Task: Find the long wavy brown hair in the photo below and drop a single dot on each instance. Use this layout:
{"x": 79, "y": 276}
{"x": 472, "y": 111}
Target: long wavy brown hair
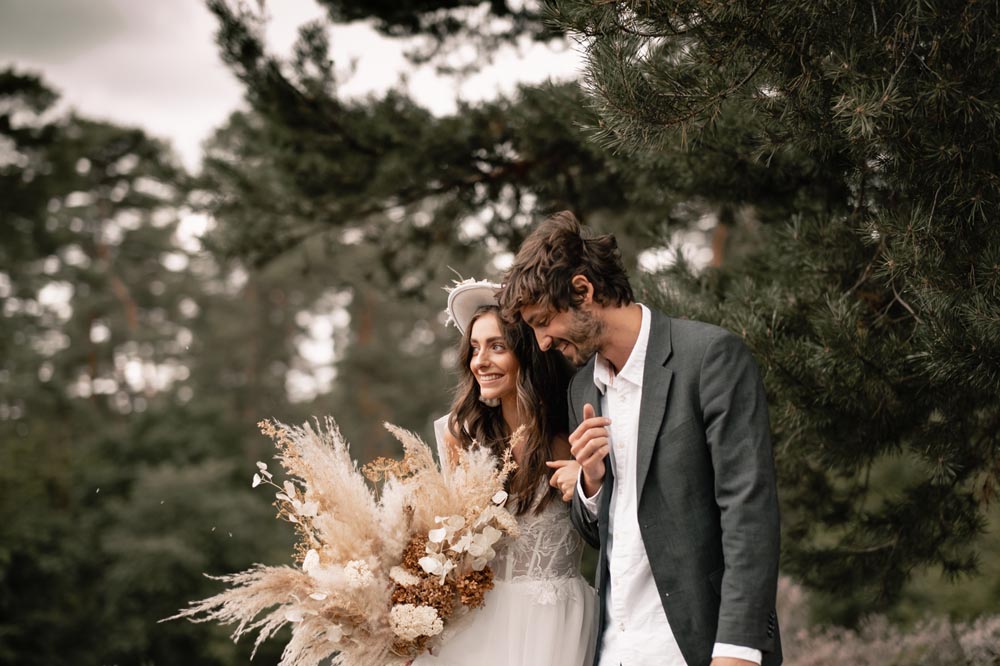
{"x": 541, "y": 399}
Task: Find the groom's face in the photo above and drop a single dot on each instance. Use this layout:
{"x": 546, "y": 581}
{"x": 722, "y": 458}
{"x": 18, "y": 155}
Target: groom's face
{"x": 576, "y": 332}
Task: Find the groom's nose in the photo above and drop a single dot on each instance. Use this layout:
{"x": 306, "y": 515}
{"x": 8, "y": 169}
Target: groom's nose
{"x": 544, "y": 340}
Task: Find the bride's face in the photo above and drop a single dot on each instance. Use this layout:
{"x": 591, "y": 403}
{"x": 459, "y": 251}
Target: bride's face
{"x": 493, "y": 363}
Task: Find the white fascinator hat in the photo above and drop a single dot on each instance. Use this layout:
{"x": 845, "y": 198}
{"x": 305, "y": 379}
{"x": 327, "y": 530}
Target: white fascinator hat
{"x": 466, "y": 297}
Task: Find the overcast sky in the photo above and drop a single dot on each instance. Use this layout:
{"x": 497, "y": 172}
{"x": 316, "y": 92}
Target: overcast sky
{"x": 154, "y": 63}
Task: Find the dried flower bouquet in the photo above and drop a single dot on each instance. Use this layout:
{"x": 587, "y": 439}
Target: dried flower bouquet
{"x": 388, "y": 555}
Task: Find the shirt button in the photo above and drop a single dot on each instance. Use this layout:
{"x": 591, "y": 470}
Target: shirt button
{"x": 621, "y": 627}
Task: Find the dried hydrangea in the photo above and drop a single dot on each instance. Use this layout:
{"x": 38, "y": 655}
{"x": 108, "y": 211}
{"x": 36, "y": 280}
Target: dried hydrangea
{"x": 473, "y": 586}
{"x": 403, "y": 577}
{"x": 358, "y": 574}
{"x": 409, "y": 621}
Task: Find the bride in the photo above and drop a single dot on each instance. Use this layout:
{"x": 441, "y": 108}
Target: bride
{"x": 541, "y": 611}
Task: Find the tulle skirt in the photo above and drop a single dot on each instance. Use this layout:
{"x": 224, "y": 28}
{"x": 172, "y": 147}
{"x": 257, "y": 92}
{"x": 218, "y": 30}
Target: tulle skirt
{"x": 524, "y": 623}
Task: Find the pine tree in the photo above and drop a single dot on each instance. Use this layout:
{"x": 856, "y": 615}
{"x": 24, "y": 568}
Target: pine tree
{"x": 388, "y": 202}
{"x": 442, "y": 26}
{"x": 124, "y": 466}
{"x": 869, "y": 287}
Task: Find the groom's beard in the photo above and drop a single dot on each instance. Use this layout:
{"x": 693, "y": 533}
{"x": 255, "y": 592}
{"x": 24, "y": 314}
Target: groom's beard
{"x": 583, "y": 337}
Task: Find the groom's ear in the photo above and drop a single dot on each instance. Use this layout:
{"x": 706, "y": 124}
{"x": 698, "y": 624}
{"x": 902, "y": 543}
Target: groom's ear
{"x": 584, "y": 290}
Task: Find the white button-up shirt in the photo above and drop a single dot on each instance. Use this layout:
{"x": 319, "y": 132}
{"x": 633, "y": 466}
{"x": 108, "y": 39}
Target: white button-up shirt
{"x": 636, "y": 632}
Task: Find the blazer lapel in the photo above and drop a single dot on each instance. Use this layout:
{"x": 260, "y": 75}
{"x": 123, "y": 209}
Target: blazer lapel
{"x": 583, "y": 390}
{"x": 655, "y": 390}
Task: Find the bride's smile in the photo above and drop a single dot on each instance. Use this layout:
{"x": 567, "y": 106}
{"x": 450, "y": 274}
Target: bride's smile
{"x": 493, "y": 364}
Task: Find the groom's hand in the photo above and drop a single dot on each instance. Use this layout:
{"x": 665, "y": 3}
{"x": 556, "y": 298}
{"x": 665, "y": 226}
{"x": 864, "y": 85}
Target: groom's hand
{"x": 589, "y": 445}
{"x": 732, "y": 661}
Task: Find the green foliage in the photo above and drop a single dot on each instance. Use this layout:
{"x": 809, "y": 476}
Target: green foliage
{"x": 934, "y": 591}
{"x": 118, "y": 489}
{"x": 845, "y": 270}
{"x": 870, "y": 294}
{"x": 382, "y": 201}
{"x": 446, "y": 24}
{"x": 929, "y": 640}
{"x": 847, "y": 149}
{"x": 383, "y": 172}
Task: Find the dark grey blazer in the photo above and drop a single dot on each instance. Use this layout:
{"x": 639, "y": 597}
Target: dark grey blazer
{"x": 708, "y": 506}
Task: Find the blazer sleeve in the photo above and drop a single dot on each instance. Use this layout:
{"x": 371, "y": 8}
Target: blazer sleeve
{"x": 737, "y": 430}
{"x": 578, "y": 514}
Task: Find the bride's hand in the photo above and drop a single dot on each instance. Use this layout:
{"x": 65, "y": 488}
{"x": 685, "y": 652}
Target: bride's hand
{"x": 564, "y": 477}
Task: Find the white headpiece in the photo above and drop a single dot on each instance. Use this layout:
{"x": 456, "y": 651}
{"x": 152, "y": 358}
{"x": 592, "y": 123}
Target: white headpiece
{"x": 466, "y": 297}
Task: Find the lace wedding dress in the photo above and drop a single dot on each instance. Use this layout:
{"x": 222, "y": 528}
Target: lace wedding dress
{"x": 540, "y": 612}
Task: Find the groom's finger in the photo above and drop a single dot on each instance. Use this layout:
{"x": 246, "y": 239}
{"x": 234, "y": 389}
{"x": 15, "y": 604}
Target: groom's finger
{"x": 597, "y": 446}
{"x": 590, "y": 421}
{"x": 583, "y": 436}
{"x": 594, "y": 450}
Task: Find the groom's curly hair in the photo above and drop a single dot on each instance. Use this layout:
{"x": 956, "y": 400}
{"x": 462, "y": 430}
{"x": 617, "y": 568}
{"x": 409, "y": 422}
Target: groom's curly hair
{"x": 551, "y": 256}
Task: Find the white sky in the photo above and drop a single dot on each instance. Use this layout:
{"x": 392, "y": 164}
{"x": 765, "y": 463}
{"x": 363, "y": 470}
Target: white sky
{"x": 155, "y": 64}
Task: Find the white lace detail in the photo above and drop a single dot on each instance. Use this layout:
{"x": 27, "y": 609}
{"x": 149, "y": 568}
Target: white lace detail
{"x": 546, "y": 556}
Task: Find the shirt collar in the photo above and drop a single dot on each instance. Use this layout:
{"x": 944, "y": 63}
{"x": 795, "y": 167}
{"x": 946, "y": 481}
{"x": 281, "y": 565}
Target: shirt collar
{"x": 633, "y": 369}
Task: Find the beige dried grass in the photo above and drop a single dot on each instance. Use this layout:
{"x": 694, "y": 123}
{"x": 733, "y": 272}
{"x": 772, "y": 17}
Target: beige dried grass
{"x": 338, "y": 601}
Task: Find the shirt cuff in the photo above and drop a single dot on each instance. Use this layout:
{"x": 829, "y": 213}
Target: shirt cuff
{"x": 590, "y": 503}
{"x": 737, "y": 652}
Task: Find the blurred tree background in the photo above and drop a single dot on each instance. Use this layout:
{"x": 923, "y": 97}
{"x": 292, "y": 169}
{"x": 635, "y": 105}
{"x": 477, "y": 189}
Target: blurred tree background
{"x": 832, "y": 165}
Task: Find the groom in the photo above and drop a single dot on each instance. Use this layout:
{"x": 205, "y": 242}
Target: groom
{"x": 677, "y": 481}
